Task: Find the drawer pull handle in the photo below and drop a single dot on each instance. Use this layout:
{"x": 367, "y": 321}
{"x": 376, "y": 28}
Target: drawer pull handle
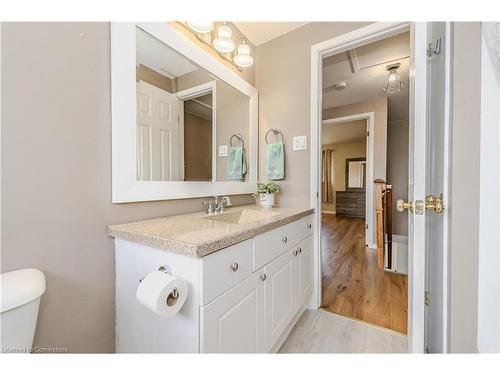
{"x": 263, "y": 277}
{"x": 296, "y": 252}
{"x": 284, "y": 240}
{"x": 299, "y": 250}
{"x": 309, "y": 226}
{"x": 234, "y": 267}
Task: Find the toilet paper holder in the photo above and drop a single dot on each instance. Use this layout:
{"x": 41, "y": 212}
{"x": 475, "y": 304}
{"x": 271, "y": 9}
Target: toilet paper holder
{"x": 172, "y": 297}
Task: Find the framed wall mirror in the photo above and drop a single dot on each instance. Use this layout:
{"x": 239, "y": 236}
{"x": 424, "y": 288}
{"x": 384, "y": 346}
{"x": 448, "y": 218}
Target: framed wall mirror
{"x": 355, "y": 174}
{"x": 175, "y": 112}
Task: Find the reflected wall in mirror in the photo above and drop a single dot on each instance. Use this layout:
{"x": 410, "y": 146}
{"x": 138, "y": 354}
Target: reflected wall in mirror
{"x": 184, "y": 115}
{"x": 355, "y": 174}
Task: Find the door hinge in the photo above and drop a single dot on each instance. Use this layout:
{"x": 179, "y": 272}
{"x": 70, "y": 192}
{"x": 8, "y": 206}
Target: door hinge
{"x": 366, "y": 226}
{"x": 431, "y": 51}
{"x": 427, "y": 298}
{"x": 367, "y": 133}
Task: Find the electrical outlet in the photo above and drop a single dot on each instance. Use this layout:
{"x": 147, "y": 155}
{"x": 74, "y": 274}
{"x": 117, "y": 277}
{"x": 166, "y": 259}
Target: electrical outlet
{"x": 300, "y": 143}
{"x": 223, "y": 150}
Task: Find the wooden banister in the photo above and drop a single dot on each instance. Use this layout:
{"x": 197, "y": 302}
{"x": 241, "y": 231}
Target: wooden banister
{"x": 383, "y": 209}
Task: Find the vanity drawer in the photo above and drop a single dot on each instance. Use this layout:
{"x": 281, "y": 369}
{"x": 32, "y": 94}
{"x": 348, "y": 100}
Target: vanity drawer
{"x": 226, "y": 268}
{"x": 270, "y": 245}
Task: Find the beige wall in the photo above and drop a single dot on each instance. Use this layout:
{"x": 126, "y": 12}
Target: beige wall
{"x": 282, "y": 76}
{"x": 146, "y": 74}
{"x": 379, "y": 107}
{"x": 56, "y": 177}
{"x": 397, "y": 170}
{"x": 342, "y": 151}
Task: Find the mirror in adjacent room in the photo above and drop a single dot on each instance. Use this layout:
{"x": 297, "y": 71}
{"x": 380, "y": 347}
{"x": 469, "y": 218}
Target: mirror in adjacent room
{"x": 355, "y": 173}
{"x": 185, "y": 116}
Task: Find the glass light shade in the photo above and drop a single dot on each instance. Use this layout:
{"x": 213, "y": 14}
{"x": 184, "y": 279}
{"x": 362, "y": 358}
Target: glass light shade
{"x": 223, "y": 43}
{"x": 243, "y": 58}
{"x": 201, "y": 27}
{"x": 394, "y": 83}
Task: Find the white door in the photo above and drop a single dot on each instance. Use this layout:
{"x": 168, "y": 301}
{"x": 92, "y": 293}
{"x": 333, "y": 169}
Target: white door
{"x": 304, "y": 270}
{"x": 428, "y": 175}
{"x": 158, "y": 134}
{"x": 280, "y": 296}
{"x": 436, "y": 184}
{"x": 234, "y": 322}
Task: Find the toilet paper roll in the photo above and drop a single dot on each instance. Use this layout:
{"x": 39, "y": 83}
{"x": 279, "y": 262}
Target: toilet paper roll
{"x": 162, "y": 293}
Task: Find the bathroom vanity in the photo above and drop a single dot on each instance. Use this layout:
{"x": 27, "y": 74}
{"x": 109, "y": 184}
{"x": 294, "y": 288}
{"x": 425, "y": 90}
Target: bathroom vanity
{"x": 249, "y": 273}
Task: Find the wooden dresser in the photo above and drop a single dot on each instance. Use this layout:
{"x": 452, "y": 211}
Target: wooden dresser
{"x": 350, "y": 203}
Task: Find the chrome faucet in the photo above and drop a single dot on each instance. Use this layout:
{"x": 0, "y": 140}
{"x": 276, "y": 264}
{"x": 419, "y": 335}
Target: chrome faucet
{"x": 220, "y": 207}
{"x": 216, "y": 206}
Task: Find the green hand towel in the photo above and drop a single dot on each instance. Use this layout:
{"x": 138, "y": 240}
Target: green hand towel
{"x": 275, "y": 161}
{"x": 236, "y": 164}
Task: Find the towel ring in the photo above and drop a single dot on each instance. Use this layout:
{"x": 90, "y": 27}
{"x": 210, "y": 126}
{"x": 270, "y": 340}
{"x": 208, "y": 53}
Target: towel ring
{"x": 237, "y": 136}
{"x": 275, "y": 132}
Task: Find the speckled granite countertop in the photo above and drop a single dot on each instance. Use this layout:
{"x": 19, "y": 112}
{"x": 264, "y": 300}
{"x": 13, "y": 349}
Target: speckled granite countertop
{"x": 198, "y": 234}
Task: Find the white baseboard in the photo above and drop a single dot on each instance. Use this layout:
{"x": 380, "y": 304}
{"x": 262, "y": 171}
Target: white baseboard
{"x": 329, "y": 212}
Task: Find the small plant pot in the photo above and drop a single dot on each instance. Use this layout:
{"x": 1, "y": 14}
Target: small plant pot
{"x": 266, "y": 200}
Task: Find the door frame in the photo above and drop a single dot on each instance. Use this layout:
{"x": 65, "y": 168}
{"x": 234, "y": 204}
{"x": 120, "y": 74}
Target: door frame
{"x": 418, "y": 86}
{"x": 370, "y": 154}
{"x": 194, "y": 92}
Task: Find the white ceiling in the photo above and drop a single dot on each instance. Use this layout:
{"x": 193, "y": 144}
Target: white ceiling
{"x": 159, "y": 57}
{"x": 352, "y": 131}
{"x": 261, "y": 32}
{"x": 369, "y": 64}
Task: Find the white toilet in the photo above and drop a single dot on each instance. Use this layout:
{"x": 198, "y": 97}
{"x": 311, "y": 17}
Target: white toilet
{"x": 21, "y": 292}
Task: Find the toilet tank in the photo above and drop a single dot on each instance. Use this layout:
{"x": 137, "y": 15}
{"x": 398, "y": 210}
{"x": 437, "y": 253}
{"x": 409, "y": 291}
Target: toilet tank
{"x": 20, "y": 298}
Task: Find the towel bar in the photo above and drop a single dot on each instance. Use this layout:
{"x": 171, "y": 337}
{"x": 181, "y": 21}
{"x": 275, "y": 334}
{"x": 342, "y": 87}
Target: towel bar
{"x": 238, "y": 136}
{"x": 275, "y": 132}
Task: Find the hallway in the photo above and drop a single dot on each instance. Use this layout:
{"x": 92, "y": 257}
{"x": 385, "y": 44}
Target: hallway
{"x": 352, "y": 285}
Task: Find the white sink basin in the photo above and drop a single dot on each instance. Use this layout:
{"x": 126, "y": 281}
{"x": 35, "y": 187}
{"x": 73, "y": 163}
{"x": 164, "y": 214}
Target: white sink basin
{"x": 244, "y": 216}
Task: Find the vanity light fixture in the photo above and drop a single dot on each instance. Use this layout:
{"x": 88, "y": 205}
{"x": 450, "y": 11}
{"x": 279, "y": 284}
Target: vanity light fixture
{"x": 201, "y": 27}
{"x": 223, "y": 43}
{"x": 394, "y": 82}
{"x": 243, "y": 58}
{"x": 219, "y": 36}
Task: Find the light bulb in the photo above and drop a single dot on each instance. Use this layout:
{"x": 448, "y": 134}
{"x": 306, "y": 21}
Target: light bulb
{"x": 201, "y": 27}
{"x": 243, "y": 58}
{"x": 394, "y": 83}
{"x": 223, "y": 43}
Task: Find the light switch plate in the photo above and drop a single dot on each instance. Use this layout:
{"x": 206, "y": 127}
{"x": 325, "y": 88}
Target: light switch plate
{"x": 223, "y": 150}
{"x": 300, "y": 143}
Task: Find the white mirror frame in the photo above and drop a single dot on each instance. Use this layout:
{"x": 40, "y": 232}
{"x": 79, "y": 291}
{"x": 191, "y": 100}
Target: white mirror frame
{"x": 125, "y": 186}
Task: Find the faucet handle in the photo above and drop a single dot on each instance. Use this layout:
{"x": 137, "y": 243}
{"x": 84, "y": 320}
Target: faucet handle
{"x": 209, "y": 205}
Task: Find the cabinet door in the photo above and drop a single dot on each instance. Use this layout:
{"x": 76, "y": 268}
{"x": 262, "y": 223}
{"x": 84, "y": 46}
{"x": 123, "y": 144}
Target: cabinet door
{"x": 234, "y": 322}
{"x": 280, "y": 296}
{"x": 304, "y": 269}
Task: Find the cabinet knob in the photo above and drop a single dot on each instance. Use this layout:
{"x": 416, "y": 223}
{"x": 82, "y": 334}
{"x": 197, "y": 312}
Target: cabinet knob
{"x": 309, "y": 226}
{"x": 284, "y": 240}
{"x": 234, "y": 267}
{"x": 263, "y": 277}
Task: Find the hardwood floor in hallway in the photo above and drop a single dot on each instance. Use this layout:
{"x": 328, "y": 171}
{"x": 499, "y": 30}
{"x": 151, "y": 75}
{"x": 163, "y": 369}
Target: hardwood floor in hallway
{"x": 352, "y": 285}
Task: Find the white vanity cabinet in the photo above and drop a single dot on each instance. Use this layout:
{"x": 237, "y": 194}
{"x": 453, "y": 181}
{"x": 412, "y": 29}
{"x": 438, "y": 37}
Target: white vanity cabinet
{"x": 244, "y": 298}
{"x": 253, "y": 315}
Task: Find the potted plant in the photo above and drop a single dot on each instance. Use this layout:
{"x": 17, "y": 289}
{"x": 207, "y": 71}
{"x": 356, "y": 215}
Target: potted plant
{"x": 265, "y": 192}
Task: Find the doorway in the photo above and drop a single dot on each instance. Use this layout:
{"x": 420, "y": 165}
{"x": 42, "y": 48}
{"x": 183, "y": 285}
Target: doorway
{"x": 350, "y": 282}
{"x": 429, "y": 52}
